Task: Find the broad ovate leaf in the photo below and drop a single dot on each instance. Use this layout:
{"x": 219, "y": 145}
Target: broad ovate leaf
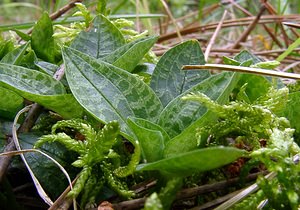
{"x": 102, "y": 39}
{"x": 128, "y": 56}
{"x": 107, "y": 92}
{"x": 184, "y": 164}
{"x": 168, "y": 80}
{"x": 40, "y": 88}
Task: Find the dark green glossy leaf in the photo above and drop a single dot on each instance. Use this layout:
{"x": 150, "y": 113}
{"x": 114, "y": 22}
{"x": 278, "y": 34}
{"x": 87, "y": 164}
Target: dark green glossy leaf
{"x": 199, "y": 160}
{"x": 49, "y": 175}
{"x": 102, "y": 39}
{"x": 128, "y": 56}
{"x": 15, "y": 56}
{"x": 107, "y": 92}
{"x": 179, "y": 114}
{"x": 42, "y": 41}
{"x": 168, "y": 80}
{"x": 151, "y": 137}
{"x": 217, "y": 87}
{"x": 39, "y": 87}
{"x": 10, "y": 103}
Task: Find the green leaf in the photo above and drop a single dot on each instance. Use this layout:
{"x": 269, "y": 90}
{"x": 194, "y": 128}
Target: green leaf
{"x": 180, "y": 114}
{"x": 151, "y": 137}
{"x": 168, "y": 80}
{"x": 245, "y": 56}
{"x": 199, "y": 160}
{"x": 10, "y": 103}
{"x": 101, "y": 40}
{"x": 15, "y": 56}
{"x": 44, "y": 169}
{"x": 28, "y": 60}
{"x": 23, "y": 35}
{"x": 65, "y": 104}
{"x": 47, "y": 67}
{"x": 5, "y": 47}
{"x": 219, "y": 88}
{"x": 256, "y": 85}
{"x": 107, "y": 92}
{"x": 29, "y": 80}
{"x": 230, "y": 61}
{"x": 292, "y": 110}
{"x": 40, "y": 88}
{"x": 42, "y": 41}
{"x": 128, "y": 56}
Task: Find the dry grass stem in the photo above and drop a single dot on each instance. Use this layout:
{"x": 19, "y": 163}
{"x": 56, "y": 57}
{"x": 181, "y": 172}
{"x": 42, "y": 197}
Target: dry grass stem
{"x": 243, "y": 69}
{"x": 212, "y": 40}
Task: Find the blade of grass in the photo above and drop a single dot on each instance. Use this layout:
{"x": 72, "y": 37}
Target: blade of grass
{"x": 293, "y": 46}
{"x": 67, "y": 20}
{"x": 20, "y": 4}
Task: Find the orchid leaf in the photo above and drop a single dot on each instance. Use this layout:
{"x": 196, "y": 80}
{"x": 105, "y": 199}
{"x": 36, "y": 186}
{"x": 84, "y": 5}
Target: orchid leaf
{"x": 128, "y": 56}
{"x": 168, "y": 80}
{"x": 107, "y": 92}
{"x": 102, "y": 39}
{"x": 40, "y": 88}
{"x": 199, "y": 160}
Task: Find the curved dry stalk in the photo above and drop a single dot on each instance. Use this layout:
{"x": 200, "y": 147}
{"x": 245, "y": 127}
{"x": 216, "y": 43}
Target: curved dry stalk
{"x": 246, "y": 33}
{"x": 243, "y": 69}
{"x": 212, "y": 40}
{"x": 20, "y": 152}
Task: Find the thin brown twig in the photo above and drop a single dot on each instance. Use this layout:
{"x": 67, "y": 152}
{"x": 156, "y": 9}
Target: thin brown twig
{"x": 60, "y": 12}
{"x": 5, "y": 161}
{"x": 274, "y": 38}
{"x": 63, "y": 202}
{"x": 272, "y": 11}
{"x": 231, "y": 23}
{"x": 187, "y": 193}
{"x": 230, "y": 51}
{"x": 217, "y": 201}
{"x": 246, "y": 33}
{"x": 64, "y": 9}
